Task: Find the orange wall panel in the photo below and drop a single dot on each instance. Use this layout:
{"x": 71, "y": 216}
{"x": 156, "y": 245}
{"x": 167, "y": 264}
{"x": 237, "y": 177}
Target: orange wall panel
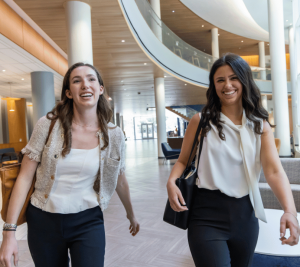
{"x": 252, "y": 60}
{"x": 17, "y": 120}
{"x": 62, "y": 65}
{"x": 11, "y": 24}
{"x": 287, "y": 56}
{"x": 33, "y": 42}
{"x": 50, "y": 56}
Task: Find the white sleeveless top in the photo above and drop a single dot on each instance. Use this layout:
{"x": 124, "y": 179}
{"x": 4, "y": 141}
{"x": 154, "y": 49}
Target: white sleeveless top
{"x": 232, "y": 166}
{"x": 72, "y": 190}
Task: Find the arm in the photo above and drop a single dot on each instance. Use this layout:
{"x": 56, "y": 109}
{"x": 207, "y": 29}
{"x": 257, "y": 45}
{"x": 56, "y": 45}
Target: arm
{"x": 173, "y": 191}
{"x": 124, "y": 195}
{"x": 9, "y": 245}
{"x": 279, "y": 184}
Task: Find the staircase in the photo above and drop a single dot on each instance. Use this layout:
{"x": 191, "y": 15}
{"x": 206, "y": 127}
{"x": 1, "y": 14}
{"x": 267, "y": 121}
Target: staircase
{"x": 178, "y": 113}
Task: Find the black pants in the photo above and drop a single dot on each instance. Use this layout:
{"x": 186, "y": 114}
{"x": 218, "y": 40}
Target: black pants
{"x": 223, "y": 230}
{"x": 52, "y": 235}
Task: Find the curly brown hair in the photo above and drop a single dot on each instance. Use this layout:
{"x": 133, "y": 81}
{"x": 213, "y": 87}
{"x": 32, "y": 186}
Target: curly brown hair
{"x": 251, "y": 97}
{"x": 64, "y": 110}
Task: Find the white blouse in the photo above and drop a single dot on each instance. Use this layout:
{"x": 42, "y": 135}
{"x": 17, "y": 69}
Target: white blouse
{"x": 72, "y": 190}
{"x": 232, "y": 166}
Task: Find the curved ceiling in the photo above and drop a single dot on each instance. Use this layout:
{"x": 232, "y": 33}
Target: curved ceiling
{"x": 229, "y": 15}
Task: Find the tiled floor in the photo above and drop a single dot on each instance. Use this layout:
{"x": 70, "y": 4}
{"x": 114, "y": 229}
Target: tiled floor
{"x": 158, "y": 244}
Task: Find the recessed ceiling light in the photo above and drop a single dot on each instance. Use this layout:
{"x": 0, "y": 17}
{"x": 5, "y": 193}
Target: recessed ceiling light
{"x": 3, "y": 70}
{"x": 109, "y": 98}
{"x": 173, "y": 11}
{"x": 123, "y": 41}
{"x": 287, "y": 20}
{"x": 242, "y": 41}
{"x": 22, "y": 79}
{"x": 218, "y": 34}
{"x": 268, "y": 44}
{"x": 202, "y": 25}
{"x": 145, "y": 63}
{"x": 185, "y": 84}
{"x": 165, "y": 76}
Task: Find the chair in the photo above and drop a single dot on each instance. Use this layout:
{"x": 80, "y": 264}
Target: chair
{"x": 291, "y": 167}
{"x": 169, "y": 153}
{"x": 11, "y": 151}
{"x": 278, "y": 144}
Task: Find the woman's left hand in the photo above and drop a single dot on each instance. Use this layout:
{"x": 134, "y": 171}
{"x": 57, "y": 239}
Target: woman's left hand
{"x": 289, "y": 221}
{"x": 134, "y": 227}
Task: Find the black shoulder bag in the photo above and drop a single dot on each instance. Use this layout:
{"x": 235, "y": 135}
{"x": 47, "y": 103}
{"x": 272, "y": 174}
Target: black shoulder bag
{"x": 186, "y": 183}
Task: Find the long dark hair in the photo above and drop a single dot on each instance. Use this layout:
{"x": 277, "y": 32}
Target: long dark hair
{"x": 251, "y": 97}
{"x": 64, "y": 110}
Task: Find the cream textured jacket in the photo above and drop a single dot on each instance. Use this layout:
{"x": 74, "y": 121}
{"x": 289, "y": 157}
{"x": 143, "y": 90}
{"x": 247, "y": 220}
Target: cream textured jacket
{"x": 112, "y": 161}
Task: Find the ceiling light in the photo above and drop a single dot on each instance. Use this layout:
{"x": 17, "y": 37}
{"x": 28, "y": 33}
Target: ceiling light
{"x": 173, "y": 11}
{"x": 22, "y": 79}
{"x": 218, "y": 34}
{"x": 242, "y": 41}
{"x": 291, "y": 24}
{"x": 165, "y": 76}
{"x": 202, "y": 26}
{"x": 3, "y": 70}
{"x": 150, "y": 109}
{"x": 109, "y": 98}
{"x": 121, "y": 81}
{"x": 185, "y": 84}
{"x": 123, "y": 41}
{"x": 268, "y": 44}
{"x": 145, "y": 63}
{"x": 287, "y": 20}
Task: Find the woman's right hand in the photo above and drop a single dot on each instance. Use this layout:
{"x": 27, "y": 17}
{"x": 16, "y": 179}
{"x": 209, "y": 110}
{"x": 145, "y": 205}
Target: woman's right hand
{"x": 8, "y": 249}
{"x": 175, "y": 197}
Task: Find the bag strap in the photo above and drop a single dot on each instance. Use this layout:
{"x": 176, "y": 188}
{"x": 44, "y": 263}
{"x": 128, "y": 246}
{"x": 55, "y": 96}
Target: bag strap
{"x": 50, "y": 129}
{"x": 194, "y": 147}
{"x": 200, "y": 150}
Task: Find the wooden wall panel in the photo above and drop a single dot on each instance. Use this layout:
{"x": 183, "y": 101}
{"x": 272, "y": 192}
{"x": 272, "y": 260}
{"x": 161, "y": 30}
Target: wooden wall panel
{"x": 33, "y": 42}
{"x": 20, "y": 32}
{"x": 252, "y": 60}
{"x": 287, "y": 57}
{"x": 17, "y": 120}
{"x": 62, "y": 65}
{"x": 50, "y": 56}
{"x": 11, "y": 24}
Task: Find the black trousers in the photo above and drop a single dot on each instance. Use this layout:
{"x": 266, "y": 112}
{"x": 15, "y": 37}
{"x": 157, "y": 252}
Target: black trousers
{"x": 223, "y": 230}
{"x": 51, "y": 236}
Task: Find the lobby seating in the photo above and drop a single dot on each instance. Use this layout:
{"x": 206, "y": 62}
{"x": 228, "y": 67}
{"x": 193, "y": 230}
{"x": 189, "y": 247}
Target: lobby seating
{"x": 291, "y": 167}
{"x": 11, "y": 151}
{"x": 169, "y": 153}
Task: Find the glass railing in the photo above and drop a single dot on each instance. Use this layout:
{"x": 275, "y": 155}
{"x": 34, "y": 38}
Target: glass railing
{"x": 171, "y": 40}
{"x": 265, "y": 74}
{"x": 183, "y": 49}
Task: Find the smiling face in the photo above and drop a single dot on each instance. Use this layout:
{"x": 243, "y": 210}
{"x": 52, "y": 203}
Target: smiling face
{"x": 228, "y": 87}
{"x": 85, "y": 88}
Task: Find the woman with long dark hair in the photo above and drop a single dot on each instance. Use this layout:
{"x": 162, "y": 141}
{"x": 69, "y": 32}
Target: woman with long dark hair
{"x": 77, "y": 171}
{"x": 238, "y": 141}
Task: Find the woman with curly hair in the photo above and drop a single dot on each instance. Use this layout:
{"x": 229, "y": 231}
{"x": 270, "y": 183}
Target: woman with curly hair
{"x": 78, "y": 167}
{"x": 238, "y": 141}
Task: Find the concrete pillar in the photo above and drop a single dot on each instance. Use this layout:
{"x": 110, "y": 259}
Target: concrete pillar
{"x": 278, "y": 72}
{"x": 293, "y": 69}
{"x": 79, "y": 32}
{"x": 159, "y": 87}
{"x": 43, "y": 99}
{"x": 262, "y": 59}
{"x": 156, "y": 19}
{"x": 215, "y": 43}
{"x": 264, "y": 101}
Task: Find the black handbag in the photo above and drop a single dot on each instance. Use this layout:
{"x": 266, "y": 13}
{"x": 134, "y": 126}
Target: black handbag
{"x": 187, "y": 184}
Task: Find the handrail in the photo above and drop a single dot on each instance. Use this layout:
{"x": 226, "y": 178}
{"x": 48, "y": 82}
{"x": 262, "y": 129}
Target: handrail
{"x": 182, "y": 49}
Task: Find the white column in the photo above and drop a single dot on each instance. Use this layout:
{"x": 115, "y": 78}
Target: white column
{"x": 278, "y": 72}
{"x": 264, "y": 101}
{"x": 215, "y": 43}
{"x": 156, "y": 19}
{"x": 43, "y": 99}
{"x": 159, "y": 87}
{"x": 79, "y": 32}
{"x": 262, "y": 59}
{"x": 293, "y": 69}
